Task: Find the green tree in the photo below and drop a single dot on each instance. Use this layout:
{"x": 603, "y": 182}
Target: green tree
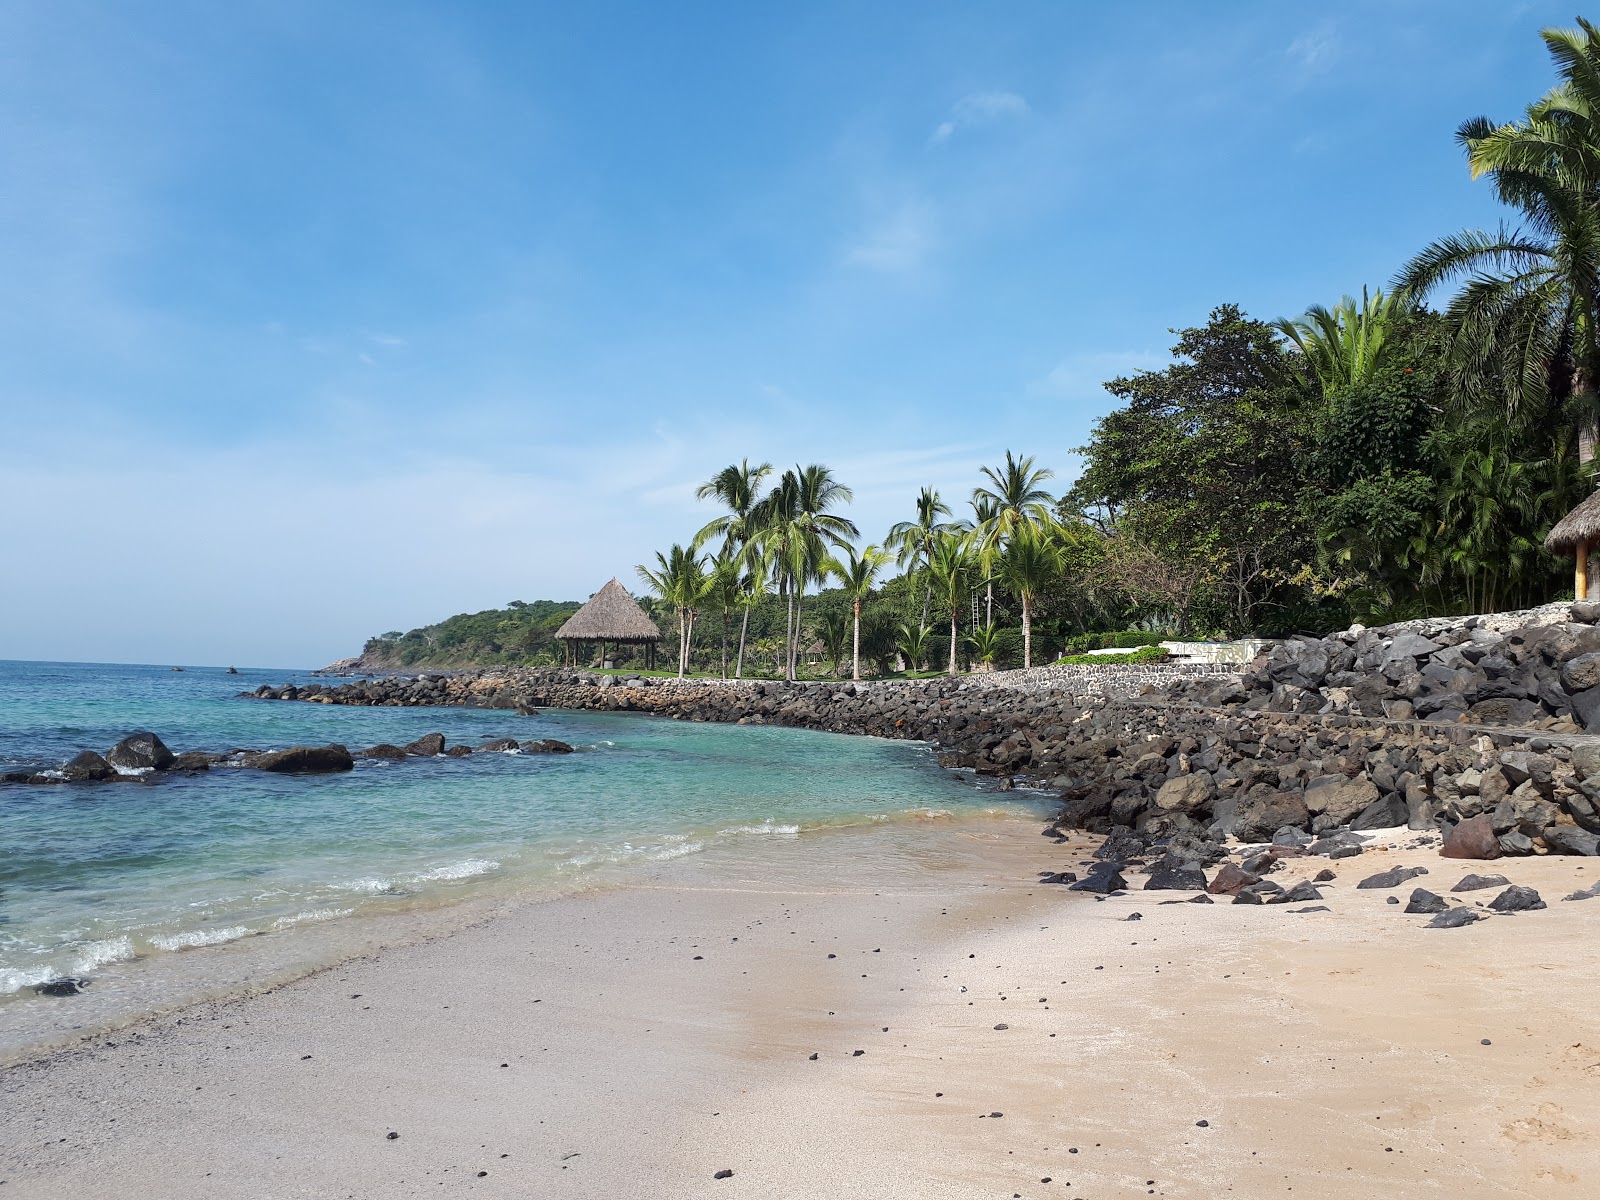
{"x": 913, "y": 541}
{"x": 1030, "y": 562}
{"x": 797, "y": 523}
{"x": 1347, "y": 346}
{"x": 857, "y": 573}
{"x": 679, "y": 578}
{"x": 951, "y": 572}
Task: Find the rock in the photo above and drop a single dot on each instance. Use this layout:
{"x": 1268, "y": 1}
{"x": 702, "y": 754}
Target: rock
{"x": 1475, "y": 883}
{"x": 426, "y": 746}
{"x": 305, "y": 760}
{"x": 1297, "y": 893}
{"x": 1179, "y": 876}
{"x": 1581, "y": 673}
{"x": 1202, "y": 898}
{"x": 1454, "y": 918}
{"x": 1291, "y": 835}
{"x": 1386, "y": 812}
{"x": 1515, "y": 843}
{"x": 1570, "y": 839}
{"x": 384, "y": 750}
{"x": 1229, "y": 879}
{"x": 1324, "y": 876}
{"x": 1410, "y": 645}
{"x": 1102, "y": 879}
{"x": 498, "y": 746}
{"x": 1588, "y": 893}
{"x": 1261, "y": 892}
{"x": 1516, "y": 899}
{"x": 1335, "y": 799}
{"x": 140, "y": 751}
{"x": 86, "y": 768}
{"x": 1586, "y": 707}
{"x": 1423, "y": 901}
{"x": 1059, "y": 877}
{"x": 67, "y": 985}
{"x": 1259, "y": 820}
{"x": 1186, "y": 793}
{"x": 1472, "y": 838}
{"x": 546, "y": 746}
{"x": 192, "y": 761}
{"x": 1393, "y": 877}
{"x": 458, "y": 752}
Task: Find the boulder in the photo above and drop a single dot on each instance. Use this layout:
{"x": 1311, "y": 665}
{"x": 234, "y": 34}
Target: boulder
{"x": 1476, "y": 883}
{"x": 498, "y": 746}
{"x": 1186, "y": 793}
{"x": 1262, "y": 892}
{"x": 1230, "y": 879}
{"x": 1386, "y": 812}
{"x": 1472, "y": 838}
{"x": 140, "y": 751}
{"x": 458, "y": 752}
{"x": 86, "y": 767}
{"x": 1176, "y": 876}
{"x": 1296, "y": 893}
{"x": 1393, "y": 877}
{"x": 426, "y": 746}
{"x": 1102, "y": 879}
{"x": 192, "y": 761}
{"x": 1571, "y": 839}
{"x": 1259, "y": 820}
{"x": 384, "y": 750}
{"x": 1336, "y": 798}
{"x": 1454, "y": 918}
{"x": 1581, "y": 673}
{"x": 305, "y": 760}
{"x": 1516, "y": 899}
{"x": 546, "y": 746}
{"x": 1423, "y": 901}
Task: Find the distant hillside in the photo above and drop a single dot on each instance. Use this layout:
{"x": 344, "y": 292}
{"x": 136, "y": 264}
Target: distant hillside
{"x": 521, "y": 632}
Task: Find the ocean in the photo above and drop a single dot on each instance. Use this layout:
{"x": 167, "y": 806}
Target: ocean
{"x": 178, "y": 886}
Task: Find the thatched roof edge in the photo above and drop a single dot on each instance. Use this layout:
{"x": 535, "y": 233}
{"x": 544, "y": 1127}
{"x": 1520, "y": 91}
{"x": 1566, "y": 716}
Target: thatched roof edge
{"x": 611, "y": 615}
{"x": 1582, "y": 524}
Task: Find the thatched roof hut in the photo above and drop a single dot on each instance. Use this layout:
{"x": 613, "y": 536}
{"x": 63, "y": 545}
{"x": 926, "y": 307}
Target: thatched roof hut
{"x": 611, "y": 615}
{"x": 1579, "y": 532}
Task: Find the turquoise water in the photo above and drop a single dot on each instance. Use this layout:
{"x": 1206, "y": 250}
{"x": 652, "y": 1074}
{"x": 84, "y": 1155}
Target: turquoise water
{"x": 94, "y": 875}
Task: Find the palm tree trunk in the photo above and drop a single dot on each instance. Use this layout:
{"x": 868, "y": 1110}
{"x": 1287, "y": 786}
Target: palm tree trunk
{"x": 794, "y": 651}
{"x": 724, "y": 641}
{"x": 952, "y": 640}
{"x": 682, "y": 644}
{"x": 788, "y": 633}
{"x": 855, "y": 644}
{"x": 1027, "y": 632}
{"x": 744, "y": 628}
{"x": 988, "y": 603}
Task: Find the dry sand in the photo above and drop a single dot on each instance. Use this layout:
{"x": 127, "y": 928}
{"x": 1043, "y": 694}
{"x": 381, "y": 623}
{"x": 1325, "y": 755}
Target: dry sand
{"x": 634, "y": 1042}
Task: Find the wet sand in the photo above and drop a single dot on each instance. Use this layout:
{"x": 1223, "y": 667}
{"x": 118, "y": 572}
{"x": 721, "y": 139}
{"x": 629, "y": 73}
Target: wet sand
{"x": 637, "y": 1041}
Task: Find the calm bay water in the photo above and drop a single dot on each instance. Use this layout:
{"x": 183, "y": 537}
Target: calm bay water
{"x": 96, "y": 875}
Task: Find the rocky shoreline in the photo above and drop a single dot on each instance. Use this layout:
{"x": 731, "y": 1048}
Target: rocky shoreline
{"x": 1474, "y": 729}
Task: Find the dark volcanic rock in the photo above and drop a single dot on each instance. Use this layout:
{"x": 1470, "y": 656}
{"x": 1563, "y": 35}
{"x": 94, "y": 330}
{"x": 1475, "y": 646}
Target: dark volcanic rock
{"x": 1423, "y": 901}
{"x": 384, "y": 750}
{"x": 1102, "y": 879}
{"x": 1474, "y": 883}
{"x": 1516, "y": 899}
{"x": 67, "y": 985}
{"x": 1261, "y": 892}
{"x": 140, "y": 751}
{"x": 458, "y": 751}
{"x": 192, "y": 761}
{"x": 1473, "y": 838}
{"x": 1383, "y": 813}
{"x": 1171, "y": 876}
{"x": 86, "y": 767}
{"x": 546, "y": 746}
{"x": 1297, "y": 893}
{"x": 1261, "y": 819}
{"x": 1455, "y": 918}
{"x": 498, "y": 746}
{"x": 427, "y": 746}
{"x": 1393, "y": 877}
{"x": 305, "y": 760}
{"x": 1569, "y": 839}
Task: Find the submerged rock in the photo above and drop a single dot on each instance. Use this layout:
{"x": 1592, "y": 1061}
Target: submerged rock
{"x": 427, "y": 746}
{"x": 67, "y": 985}
{"x": 140, "y": 751}
{"x": 86, "y": 767}
{"x": 384, "y": 750}
{"x": 306, "y": 760}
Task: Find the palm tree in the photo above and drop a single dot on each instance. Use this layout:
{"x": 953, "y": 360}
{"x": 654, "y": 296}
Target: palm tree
{"x": 679, "y": 578}
{"x": 856, "y": 575}
{"x": 796, "y": 525}
{"x": 984, "y": 511}
{"x": 913, "y": 541}
{"x": 912, "y": 642}
{"x": 739, "y": 490}
{"x": 1526, "y": 324}
{"x": 950, "y": 572}
{"x": 985, "y": 643}
{"x": 835, "y": 632}
{"x": 1347, "y": 346}
{"x": 725, "y": 588}
{"x": 755, "y": 584}
{"x": 1014, "y": 496}
{"x": 1030, "y": 561}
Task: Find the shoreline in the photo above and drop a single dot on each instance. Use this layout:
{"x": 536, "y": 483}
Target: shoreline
{"x": 657, "y": 1033}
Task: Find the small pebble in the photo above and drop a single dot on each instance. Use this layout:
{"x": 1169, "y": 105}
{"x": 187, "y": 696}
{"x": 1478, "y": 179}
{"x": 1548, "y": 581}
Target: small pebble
{"x": 723, "y": 1175}
{"x": 1203, "y": 1124}
{"x": 1486, "y": 1042}
{"x": 1002, "y": 1027}
{"x": 857, "y": 1053}
{"x": 391, "y": 1136}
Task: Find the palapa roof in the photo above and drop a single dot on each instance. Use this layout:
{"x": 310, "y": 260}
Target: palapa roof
{"x": 610, "y": 616}
{"x": 1582, "y": 524}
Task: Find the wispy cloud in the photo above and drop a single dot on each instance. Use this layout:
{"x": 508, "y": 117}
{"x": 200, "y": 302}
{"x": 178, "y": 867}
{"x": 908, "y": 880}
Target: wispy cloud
{"x": 898, "y": 242}
{"x": 387, "y": 339}
{"x": 979, "y": 108}
{"x": 1082, "y": 377}
{"x": 1316, "y": 49}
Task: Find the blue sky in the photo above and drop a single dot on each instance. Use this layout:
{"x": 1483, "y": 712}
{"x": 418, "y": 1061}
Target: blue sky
{"x": 319, "y": 320}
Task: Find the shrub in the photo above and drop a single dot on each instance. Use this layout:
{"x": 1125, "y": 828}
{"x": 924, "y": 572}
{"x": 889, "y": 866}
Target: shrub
{"x": 1148, "y": 654}
{"x": 1126, "y": 639}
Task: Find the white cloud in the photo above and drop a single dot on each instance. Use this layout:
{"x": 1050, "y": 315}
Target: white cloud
{"x": 1316, "y": 49}
{"x": 387, "y": 339}
{"x": 979, "y": 108}
{"x": 1082, "y": 377}
{"x": 899, "y": 242}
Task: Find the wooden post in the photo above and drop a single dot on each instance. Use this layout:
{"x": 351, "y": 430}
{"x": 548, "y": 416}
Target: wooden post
{"x": 1580, "y": 574}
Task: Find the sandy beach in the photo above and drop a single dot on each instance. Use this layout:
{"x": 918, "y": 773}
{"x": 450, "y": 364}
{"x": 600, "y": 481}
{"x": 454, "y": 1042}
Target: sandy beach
{"x": 971, "y": 1035}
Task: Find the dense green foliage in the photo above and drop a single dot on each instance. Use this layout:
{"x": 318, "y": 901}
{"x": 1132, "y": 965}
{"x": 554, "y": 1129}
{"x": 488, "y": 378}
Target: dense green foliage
{"x": 519, "y": 633}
